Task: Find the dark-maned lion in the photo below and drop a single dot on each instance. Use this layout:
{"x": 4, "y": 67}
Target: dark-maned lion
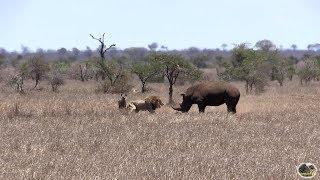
{"x": 148, "y": 104}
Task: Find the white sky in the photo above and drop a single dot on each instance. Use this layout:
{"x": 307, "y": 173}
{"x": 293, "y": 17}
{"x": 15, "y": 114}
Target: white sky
{"x": 177, "y": 24}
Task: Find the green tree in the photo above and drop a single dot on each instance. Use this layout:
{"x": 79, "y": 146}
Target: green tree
{"x": 291, "y": 72}
{"x": 265, "y": 45}
{"x": 17, "y": 80}
{"x": 249, "y": 66}
{"x": 307, "y": 70}
{"x": 153, "y": 46}
{"x": 200, "y": 61}
{"x": 145, "y": 71}
{"x": 279, "y": 67}
{"x": 294, "y": 47}
{"x": 61, "y": 66}
{"x": 224, "y": 46}
{"x": 173, "y": 66}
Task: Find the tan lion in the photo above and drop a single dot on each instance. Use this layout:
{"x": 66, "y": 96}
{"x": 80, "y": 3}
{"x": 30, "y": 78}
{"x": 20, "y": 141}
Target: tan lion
{"x": 148, "y": 104}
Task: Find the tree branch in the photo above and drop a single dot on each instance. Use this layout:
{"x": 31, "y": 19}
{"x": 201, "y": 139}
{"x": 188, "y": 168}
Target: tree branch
{"x": 176, "y": 77}
{"x": 97, "y": 38}
{"x": 109, "y": 48}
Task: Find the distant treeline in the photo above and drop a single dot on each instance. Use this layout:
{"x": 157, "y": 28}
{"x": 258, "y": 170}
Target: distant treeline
{"x": 114, "y": 69}
{"x": 202, "y": 58}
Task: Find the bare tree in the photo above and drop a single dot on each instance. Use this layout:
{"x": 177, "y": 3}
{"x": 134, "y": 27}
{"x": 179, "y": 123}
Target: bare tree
{"x": 103, "y": 48}
{"x": 37, "y": 69}
{"x": 113, "y": 71}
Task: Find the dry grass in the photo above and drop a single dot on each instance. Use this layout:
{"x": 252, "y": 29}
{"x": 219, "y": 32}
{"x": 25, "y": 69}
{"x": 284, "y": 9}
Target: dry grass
{"x": 78, "y": 134}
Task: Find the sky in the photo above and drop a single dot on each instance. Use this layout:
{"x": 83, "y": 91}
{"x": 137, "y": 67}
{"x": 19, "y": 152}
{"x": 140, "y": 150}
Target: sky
{"x": 177, "y": 24}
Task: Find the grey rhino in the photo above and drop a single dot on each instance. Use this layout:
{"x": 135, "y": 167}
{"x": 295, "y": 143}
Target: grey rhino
{"x": 210, "y": 94}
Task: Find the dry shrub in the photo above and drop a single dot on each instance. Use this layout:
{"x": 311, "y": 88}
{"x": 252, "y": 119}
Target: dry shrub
{"x": 16, "y": 111}
{"x": 81, "y": 135}
{"x": 55, "y": 81}
{"x": 123, "y": 85}
{"x": 210, "y": 74}
{"x": 7, "y": 73}
{"x": 81, "y": 72}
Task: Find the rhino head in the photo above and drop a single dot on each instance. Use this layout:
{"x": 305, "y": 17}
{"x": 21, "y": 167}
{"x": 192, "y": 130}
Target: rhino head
{"x": 184, "y": 106}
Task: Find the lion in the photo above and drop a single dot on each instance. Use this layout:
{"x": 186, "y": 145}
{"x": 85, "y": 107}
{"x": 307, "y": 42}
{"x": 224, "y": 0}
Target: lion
{"x": 150, "y": 104}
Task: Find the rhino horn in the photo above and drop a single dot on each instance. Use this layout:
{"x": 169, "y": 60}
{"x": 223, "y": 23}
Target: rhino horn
{"x": 177, "y": 108}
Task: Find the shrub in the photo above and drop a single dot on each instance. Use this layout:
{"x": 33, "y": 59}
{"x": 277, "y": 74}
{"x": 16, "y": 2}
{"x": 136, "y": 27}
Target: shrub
{"x": 56, "y": 81}
{"x": 123, "y": 85}
{"x": 249, "y": 66}
{"x": 307, "y": 70}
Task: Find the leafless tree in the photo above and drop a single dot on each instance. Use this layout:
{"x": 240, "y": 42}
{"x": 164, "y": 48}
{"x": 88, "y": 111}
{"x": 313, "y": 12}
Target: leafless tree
{"x": 113, "y": 71}
{"x": 37, "y": 68}
{"x": 103, "y": 48}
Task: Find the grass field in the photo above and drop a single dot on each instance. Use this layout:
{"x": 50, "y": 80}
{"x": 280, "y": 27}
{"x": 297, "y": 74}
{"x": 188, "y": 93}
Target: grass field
{"x": 80, "y": 134}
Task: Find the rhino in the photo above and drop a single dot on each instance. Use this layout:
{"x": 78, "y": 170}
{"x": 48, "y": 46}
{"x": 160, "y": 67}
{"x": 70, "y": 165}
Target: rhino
{"x": 213, "y": 93}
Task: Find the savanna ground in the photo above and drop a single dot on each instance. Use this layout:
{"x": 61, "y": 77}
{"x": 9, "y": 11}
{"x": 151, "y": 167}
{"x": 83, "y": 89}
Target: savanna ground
{"x": 80, "y": 134}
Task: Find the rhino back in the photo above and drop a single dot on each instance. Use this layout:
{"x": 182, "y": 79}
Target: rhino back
{"x": 210, "y": 93}
{"x": 232, "y": 91}
{"x": 204, "y": 89}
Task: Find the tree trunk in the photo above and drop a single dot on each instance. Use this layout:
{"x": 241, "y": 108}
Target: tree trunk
{"x": 281, "y": 82}
{"x": 170, "y": 94}
{"x": 247, "y": 87}
{"x": 37, "y": 82}
{"x": 251, "y": 86}
{"x": 143, "y": 87}
{"x": 81, "y": 74}
{"x": 53, "y": 88}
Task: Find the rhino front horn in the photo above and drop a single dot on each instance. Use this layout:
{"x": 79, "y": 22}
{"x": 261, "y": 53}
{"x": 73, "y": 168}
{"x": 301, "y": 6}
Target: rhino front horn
{"x": 176, "y": 108}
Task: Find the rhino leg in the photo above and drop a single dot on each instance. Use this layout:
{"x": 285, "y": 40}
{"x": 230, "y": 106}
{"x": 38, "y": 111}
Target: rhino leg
{"x": 232, "y": 109}
{"x": 201, "y": 108}
{"x": 231, "y": 103}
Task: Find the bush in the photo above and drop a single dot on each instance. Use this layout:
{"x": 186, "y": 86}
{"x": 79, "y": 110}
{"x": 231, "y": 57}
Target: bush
{"x": 61, "y": 66}
{"x": 17, "y": 83}
{"x": 123, "y": 85}
{"x": 37, "y": 69}
{"x": 81, "y": 71}
{"x": 307, "y": 70}
{"x": 249, "y": 66}
{"x": 56, "y": 81}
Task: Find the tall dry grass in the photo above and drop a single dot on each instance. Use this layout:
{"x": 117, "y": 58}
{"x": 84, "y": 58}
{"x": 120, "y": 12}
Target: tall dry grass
{"x": 79, "y": 134}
